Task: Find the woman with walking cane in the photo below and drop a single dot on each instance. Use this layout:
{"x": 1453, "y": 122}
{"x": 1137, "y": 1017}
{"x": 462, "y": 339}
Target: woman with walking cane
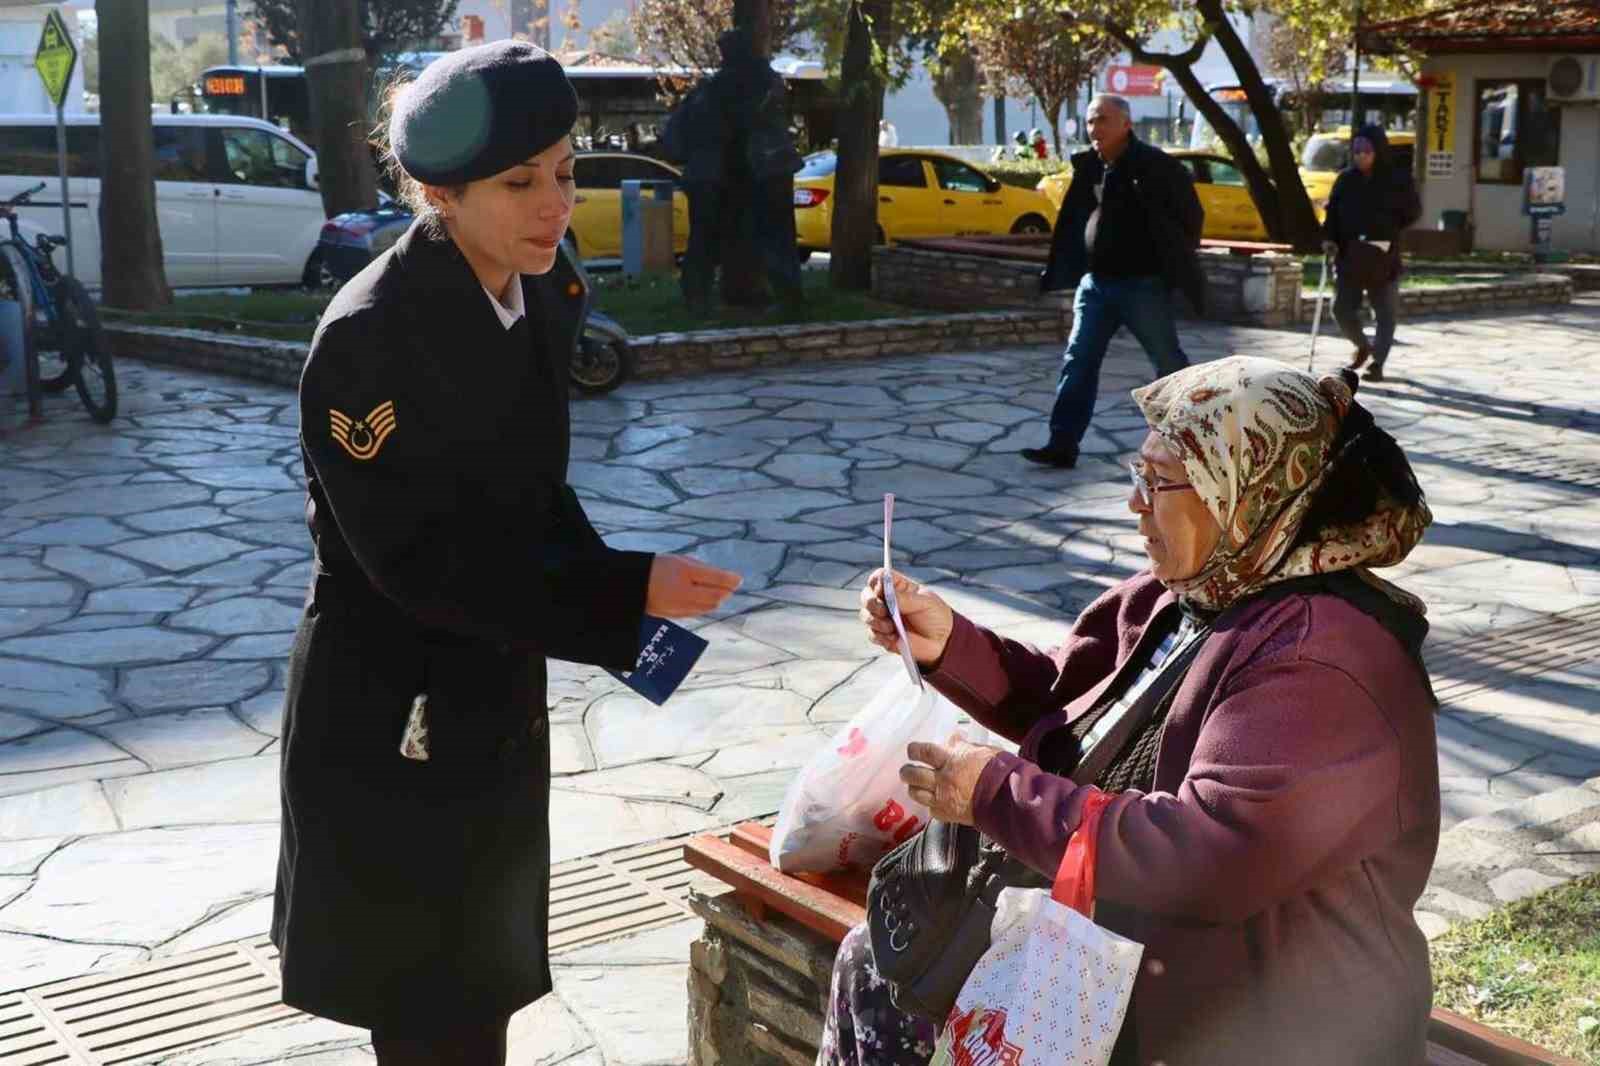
{"x": 451, "y": 559}
{"x": 1371, "y": 203}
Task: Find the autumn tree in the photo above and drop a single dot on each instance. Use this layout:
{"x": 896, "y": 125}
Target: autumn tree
{"x": 958, "y": 86}
{"x": 384, "y": 27}
{"x": 1040, "y": 52}
{"x": 863, "y": 77}
{"x": 683, "y": 33}
{"x": 131, "y": 269}
{"x": 615, "y": 37}
{"x": 338, "y": 77}
{"x": 1304, "y": 61}
{"x": 174, "y": 69}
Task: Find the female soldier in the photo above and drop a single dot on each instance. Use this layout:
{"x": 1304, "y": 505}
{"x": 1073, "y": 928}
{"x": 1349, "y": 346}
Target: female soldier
{"x": 451, "y": 559}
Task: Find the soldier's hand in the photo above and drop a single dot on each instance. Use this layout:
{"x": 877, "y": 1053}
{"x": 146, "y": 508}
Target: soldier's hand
{"x": 681, "y": 587}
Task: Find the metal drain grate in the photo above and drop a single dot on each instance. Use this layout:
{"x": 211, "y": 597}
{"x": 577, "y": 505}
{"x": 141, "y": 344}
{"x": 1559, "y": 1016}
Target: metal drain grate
{"x": 1512, "y": 461}
{"x": 140, "y": 1015}
{"x": 1468, "y": 665}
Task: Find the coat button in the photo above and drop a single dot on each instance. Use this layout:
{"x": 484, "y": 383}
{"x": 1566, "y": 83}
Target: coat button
{"x": 1155, "y": 967}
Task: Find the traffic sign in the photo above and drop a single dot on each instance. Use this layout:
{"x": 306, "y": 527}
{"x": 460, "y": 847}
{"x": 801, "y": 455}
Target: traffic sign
{"x": 55, "y": 57}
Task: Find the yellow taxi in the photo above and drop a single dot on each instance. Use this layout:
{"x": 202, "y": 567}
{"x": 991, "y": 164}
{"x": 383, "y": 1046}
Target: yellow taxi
{"x": 1231, "y": 214}
{"x": 597, "y": 213}
{"x": 1326, "y": 154}
{"x": 920, "y": 194}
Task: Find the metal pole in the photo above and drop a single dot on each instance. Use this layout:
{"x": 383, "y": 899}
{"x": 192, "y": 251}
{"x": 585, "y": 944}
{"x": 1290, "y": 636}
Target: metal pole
{"x": 66, "y": 203}
{"x": 1000, "y": 118}
{"x": 1355, "y": 83}
{"x": 232, "y": 16}
{"x": 261, "y": 72}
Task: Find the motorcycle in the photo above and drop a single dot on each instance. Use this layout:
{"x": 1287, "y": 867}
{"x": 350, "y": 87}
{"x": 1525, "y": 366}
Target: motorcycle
{"x": 604, "y": 359}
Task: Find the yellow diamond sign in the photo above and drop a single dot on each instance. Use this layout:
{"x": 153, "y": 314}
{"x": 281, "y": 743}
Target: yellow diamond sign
{"x": 56, "y": 57}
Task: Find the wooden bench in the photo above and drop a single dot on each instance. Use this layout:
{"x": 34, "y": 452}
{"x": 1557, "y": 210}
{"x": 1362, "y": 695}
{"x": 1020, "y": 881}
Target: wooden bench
{"x": 759, "y": 976}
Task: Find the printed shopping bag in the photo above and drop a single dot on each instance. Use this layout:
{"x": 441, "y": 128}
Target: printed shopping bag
{"x": 1053, "y": 987}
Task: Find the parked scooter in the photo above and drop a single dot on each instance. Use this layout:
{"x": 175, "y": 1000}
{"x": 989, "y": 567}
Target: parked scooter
{"x": 604, "y": 359}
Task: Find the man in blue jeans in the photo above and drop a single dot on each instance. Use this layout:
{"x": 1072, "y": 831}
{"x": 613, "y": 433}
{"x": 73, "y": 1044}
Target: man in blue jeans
{"x": 1127, "y": 235}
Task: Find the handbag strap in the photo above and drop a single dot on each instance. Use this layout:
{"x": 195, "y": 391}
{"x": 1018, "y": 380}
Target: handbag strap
{"x": 1074, "y": 885}
{"x": 1171, "y": 671}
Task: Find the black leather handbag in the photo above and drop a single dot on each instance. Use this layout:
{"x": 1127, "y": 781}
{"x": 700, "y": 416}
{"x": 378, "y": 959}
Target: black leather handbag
{"x": 931, "y": 900}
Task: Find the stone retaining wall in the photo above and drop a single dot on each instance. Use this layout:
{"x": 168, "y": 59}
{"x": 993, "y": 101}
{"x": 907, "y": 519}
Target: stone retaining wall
{"x": 1259, "y": 290}
{"x": 1535, "y": 290}
{"x": 659, "y": 355}
{"x": 758, "y": 990}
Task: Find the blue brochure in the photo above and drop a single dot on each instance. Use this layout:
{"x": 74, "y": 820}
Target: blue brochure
{"x": 667, "y": 652}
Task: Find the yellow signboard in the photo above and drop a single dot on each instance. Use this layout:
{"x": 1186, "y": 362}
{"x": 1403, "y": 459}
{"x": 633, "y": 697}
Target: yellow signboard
{"x": 1441, "y": 131}
{"x": 55, "y": 57}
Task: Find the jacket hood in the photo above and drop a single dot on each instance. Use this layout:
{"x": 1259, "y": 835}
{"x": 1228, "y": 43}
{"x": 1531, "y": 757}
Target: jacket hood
{"x": 1384, "y": 155}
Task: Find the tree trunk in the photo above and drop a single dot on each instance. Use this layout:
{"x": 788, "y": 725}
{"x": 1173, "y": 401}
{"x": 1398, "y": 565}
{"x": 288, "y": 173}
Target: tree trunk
{"x": 743, "y": 277}
{"x": 1297, "y": 220}
{"x": 855, "y": 179}
{"x": 957, "y": 90}
{"x": 336, "y": 70}
{"x": 132, "y": 275}
{"x": 1181, "y": 67}
{"x": 1052, "y": 114}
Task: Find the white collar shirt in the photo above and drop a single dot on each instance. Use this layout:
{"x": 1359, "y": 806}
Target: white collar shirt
{"x": 514, "y": 307}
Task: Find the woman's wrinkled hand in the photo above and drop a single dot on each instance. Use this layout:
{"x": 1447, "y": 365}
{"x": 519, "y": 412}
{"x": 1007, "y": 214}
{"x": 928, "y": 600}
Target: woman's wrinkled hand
{"x": 944, "y": 777}
{"x": 927, "y": 618}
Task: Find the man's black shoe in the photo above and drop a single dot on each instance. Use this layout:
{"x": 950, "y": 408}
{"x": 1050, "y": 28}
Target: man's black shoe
{"x": 1061, "y": 455}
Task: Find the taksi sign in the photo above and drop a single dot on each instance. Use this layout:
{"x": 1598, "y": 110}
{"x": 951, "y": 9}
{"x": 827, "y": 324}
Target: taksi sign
{"x": 1441, "y": 131}
{"x": 55, "y": 57}
{"x": 1135, "y": 81}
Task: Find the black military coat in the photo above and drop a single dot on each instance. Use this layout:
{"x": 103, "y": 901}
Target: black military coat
{"x": 452, "y": 558}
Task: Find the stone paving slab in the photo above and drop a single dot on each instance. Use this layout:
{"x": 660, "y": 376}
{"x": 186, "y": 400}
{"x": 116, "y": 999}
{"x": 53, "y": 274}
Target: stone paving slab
{"x": 151, "y": 573}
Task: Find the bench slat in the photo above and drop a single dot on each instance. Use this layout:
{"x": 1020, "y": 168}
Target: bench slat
{"x": 754, "y": 878}
{"x": 1479, "y": 1043}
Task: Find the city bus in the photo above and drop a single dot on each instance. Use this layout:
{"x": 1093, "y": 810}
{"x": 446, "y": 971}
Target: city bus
{"x": 1385, "y": 99}
{"x": 275, "y": 94}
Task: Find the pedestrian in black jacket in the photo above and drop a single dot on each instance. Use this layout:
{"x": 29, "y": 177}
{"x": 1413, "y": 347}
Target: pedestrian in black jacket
{"x": 1372, "y": 201}
{"x": 696, "y": 136}
{"x": 451, "y": 559}
{"x": 1127, "y": 235}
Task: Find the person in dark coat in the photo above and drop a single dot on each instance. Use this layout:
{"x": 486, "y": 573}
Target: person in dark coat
{"x": 695, "y": 137}
{"x": 451, "y": 559}
{"x": 1372, "y": 201}
{"x": 761, "y": 159}
{"x": 1127, "y": 235}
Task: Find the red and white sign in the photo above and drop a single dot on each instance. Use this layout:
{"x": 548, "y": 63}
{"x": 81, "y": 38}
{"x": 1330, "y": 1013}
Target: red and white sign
{"x": 1135, "y": 81}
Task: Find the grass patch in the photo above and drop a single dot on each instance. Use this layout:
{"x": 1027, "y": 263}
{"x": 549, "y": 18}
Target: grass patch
{"x": 277, "y": 314}
{"x": 1429, "y": 276}
{"x": 648, "y": 304}
{"x": 1531, "y": 969}
{"x": 654, "y": 304}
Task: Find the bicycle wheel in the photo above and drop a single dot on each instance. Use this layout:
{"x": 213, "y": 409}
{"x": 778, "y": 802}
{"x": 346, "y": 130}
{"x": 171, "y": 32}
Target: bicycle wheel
{"x": 89, "y": 361}
{"x": 15, "y": 284}
{"x": 53, "y": 345}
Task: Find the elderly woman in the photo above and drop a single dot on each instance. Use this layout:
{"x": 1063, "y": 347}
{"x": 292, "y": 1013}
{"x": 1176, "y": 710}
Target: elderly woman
{"x": 1276, "y": 819}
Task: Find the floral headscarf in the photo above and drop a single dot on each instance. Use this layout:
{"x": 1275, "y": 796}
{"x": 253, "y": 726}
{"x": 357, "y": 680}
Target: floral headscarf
{"x": 1255, "y": 437}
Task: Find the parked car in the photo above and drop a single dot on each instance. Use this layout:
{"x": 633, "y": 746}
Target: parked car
{"x": 351, "y": 241}
{"x": 236, "y": 198}
{"x": 1231, "y": 214}
{"x": 920, "y": 194}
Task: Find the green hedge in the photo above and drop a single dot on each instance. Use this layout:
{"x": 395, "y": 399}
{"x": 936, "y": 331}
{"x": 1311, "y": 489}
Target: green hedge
{"x": 1024, "y": 173}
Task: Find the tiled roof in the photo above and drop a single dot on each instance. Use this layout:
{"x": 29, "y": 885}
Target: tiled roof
{"x": 1480, "y": 25}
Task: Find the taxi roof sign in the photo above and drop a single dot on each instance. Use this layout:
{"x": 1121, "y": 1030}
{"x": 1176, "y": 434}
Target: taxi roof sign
{"x": 55, "y": 57}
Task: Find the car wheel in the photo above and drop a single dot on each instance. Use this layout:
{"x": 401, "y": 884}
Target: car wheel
{"x": 1031, "y": 225}
{"x": 317, "y": 276}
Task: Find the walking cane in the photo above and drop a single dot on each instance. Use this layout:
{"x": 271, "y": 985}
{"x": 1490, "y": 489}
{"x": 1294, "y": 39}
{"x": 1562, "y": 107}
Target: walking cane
{"x": 1316, "y": 317}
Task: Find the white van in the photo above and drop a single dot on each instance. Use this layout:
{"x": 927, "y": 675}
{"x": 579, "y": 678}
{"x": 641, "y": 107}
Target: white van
{"x": 236, "y": 197}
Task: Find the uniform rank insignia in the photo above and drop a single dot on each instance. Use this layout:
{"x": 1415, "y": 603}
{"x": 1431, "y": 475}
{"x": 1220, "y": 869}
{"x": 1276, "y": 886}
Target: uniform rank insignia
{"x": 364, "y": 436}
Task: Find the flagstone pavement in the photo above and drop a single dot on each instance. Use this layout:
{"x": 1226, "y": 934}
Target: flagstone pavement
{"x": 151, "y": 573}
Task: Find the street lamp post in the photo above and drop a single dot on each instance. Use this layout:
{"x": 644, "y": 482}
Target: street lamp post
{"x": 1355, "y": 78}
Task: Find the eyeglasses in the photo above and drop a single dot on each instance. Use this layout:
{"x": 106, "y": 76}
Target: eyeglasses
{"x": 1145, "y": 489}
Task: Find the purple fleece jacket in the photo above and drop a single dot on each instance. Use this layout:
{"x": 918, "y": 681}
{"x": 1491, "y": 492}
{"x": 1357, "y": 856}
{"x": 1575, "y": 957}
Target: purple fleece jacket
{"x": 1272, "y": 870}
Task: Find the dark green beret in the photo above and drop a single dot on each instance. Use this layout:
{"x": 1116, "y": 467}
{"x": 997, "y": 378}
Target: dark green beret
{"x": 481, "y": 110}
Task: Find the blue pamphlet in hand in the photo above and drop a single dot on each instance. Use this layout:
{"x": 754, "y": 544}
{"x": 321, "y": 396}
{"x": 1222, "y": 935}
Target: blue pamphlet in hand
{"x": 667, "y": 652}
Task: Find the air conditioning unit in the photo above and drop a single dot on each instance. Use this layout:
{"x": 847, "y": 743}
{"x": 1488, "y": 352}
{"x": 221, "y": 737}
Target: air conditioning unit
{"x": 1574, "y": 80}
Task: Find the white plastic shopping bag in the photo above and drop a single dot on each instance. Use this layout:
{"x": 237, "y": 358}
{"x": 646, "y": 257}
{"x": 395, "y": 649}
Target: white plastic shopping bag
{"x": 848, "y": 805}
{"x": 1053, "y": 987}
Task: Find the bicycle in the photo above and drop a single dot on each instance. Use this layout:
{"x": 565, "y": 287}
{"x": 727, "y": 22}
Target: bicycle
{"x": 67, "y": 345}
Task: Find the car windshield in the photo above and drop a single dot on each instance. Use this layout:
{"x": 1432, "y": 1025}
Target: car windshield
{"x": 818, "y": 165}
{"x": 1326, "y": 154}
